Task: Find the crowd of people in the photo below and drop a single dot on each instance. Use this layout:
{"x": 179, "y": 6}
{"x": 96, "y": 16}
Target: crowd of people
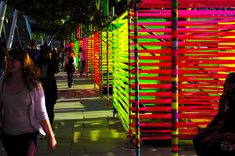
{"x": 28, "y": 94}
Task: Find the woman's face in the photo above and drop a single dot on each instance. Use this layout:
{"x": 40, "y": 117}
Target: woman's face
{"x": 13, "y": 65}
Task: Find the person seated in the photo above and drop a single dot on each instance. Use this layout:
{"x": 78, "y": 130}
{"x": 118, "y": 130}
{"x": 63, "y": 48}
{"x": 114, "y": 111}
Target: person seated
{"x": 220, "y": 132}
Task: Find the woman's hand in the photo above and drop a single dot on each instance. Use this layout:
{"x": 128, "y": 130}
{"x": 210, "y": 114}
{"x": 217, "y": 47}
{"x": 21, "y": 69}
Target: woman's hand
{"x": 52, "y": 143}
{"x": 51, "y": 137}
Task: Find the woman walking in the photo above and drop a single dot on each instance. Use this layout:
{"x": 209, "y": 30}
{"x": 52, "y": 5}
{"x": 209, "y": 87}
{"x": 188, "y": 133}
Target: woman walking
{"x": 82, "y": 62}
{"x": 70, "y": 64}
{"x": 23, "y": 110}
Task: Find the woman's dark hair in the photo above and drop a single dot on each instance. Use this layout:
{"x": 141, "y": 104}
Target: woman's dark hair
{"x": 32, "y": 43}
{"x": 70, "y": 48}
{"x": 80, "y": 49}
{"x": 44, "y": 53}
{"x": 229, "y": 85}
{"x": 230, "y": 78}
{"x": 30, "y": 70}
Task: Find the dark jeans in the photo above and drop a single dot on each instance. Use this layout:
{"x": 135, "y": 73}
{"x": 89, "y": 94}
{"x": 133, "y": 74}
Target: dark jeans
{"x": 1, "y": 72}
{"x": 82, "y": 67}
{"x": 20, "y": 145}
{"x": 50, "y": 91}
{"x": 70, "y": 79}
{"x": 50, "y": 112}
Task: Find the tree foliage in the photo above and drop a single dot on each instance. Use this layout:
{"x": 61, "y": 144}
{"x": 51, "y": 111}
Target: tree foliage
{"x": 61, "y": 17}
{"x": 58, "y": 18}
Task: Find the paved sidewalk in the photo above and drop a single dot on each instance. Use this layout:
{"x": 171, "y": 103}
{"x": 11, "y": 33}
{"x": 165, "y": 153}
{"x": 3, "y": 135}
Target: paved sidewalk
{"x": 84, "y": 126}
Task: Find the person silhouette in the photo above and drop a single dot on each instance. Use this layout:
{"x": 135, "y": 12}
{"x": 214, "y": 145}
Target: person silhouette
{"x": 82, "y": 61}
{"x": 208, "y": 141}
{"x": 70, "y": 65}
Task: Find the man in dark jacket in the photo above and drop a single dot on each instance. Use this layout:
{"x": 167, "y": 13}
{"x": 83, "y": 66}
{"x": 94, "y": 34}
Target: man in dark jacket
{"x": 48, "y": 69}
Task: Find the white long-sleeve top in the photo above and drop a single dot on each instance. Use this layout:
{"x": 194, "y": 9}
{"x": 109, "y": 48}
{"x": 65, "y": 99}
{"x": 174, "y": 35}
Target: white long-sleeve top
{"x": 37, "y": 112}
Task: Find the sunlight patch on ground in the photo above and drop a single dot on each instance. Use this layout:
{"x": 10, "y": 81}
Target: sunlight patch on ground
{"x": 94, "y": 135}
{"x": 114, "y": 133}
{"x": 76, "y": 136}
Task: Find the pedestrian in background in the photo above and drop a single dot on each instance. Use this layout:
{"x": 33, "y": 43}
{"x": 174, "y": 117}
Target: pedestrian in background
{"x": 82, "y": 61}
{"x": 70, "y": 64}
{"x": 61, "y": 57}
{"x": 33, "y": 51}
{"x": 48, "y": 68}
{"x": 23, "y": 108}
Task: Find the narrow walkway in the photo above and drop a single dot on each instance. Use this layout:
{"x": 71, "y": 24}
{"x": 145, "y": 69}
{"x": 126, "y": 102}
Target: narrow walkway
{"x": 84, "y": 126}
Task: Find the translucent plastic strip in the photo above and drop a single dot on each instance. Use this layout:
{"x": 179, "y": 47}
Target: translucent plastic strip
{"x": 163, "y": 64}
{"x": 187, "y": 30}
{"x": 202, "y": 51}
{"x": 153, "y": 116}
{"x": 160, "y": 137}
{"x": 160, "y": 124}
{"x": 198, "y": 22}
{"x": 187, "y": 4}
{"x": 199, "y": 2}
{"x": 191, "y": 37}
{"x": 156, "y": 131}
{"x": 196, "y": 116}
{"x": 198, "y": 12}
{"x": 153, "y": 71}
{"x": 196, "y": 93}
{"x": 168, "y": 116}
{"x": 184, "y": 6}
{"x": 193, "y": 124}
{"x": 154, "y": 51}
{"x": 162, "y": 78}
{"x": 188, "y": 15}
{"x": 181, "y": 108}
{"x": 196, "y": 44}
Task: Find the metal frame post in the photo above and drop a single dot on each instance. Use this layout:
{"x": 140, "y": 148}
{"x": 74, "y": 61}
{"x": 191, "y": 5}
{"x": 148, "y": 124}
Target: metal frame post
{"x": 5, "y": 34}
{"x": 3, "y": 8}
{"x": 12, "y": 31}
{"x": 28, "y": 27}
{"x": 174, "y": 78}
{"x": 137, "y": 103}
{"x": 107, "y": 65}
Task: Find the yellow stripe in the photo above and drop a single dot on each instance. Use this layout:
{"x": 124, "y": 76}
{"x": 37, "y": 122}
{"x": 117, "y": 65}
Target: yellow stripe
{"x": 174, "y": 79}
{"x": 174, "y": 132}
{"x": 174, "y": 105}
{"x": 175, "y": 141}
{"x": 174, "y": 154}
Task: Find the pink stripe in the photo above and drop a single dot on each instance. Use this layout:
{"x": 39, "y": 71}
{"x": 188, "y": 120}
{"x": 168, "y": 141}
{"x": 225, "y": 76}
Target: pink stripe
{"x": 179, "y": 30}
{"x": 186, "y": 15}
{"x": 184, "y": 23}
{"x": 188, "y": 12}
